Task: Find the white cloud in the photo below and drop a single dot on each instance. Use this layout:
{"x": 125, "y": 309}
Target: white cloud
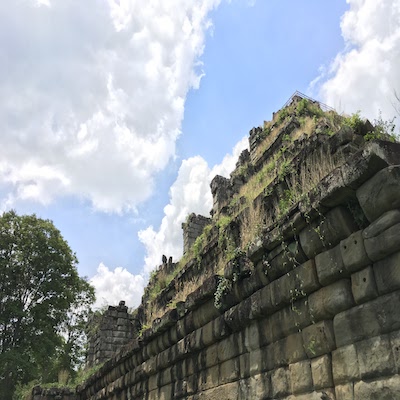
{"x": 365, "y": 75}
{"x": 189, "y": 193}
{"x": 114, "y": 286}
{"x": 93, "y": 95}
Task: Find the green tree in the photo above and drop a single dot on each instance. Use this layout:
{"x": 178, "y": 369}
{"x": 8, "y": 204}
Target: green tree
{"x": 41, "y": 302}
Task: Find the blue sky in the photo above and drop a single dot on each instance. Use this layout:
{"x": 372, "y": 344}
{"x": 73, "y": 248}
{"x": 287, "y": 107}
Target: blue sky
{"x": 117, "y": 114}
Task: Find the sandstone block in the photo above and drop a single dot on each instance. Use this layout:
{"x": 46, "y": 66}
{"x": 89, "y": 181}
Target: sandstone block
{"x": 252, "y": 337}
{"x": 331, "y": 300}
{"x": 378, "y": 316}
{"x": 330, "y": 266}
{"x": 384, "y": 222}
{"x": 345, "y": 365}
{"x": 380, "y": 193}
{"x": 363, "y": 285}
{"x": 280, "y": 382}
{"x": 256, "y": 387}
{"x": 387, "y": 273}
{"x": 229, "y": 371}
{"x": 337, "y": 225}
{"x": 228, "y": 348}
{"x": 395, "y": 343}
{"x": 345, "y": 391}
{"x": 228, "y": 391}
{"x": 375, "y": 357}
{"x": 211, "y": 355}
{"x": 300, "y": 377}
{"x": 288, "y": 320}
{"x": 381, "y": 389}
{"x": 321, "y": 368}
{"x": 306, "y": 277}
{"x": 353, "y": 252}
{"x": 384, "y": 244}
{"x": 256, "y": 362}
{"x": 318, "y": 339}
{"x": 289, "y": 350}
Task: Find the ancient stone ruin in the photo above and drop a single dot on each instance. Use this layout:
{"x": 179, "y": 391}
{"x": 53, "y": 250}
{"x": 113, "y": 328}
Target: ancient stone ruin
{"x": 290, "y": 291}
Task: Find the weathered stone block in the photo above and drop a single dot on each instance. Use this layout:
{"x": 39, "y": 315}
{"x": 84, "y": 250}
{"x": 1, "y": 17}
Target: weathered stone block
{"x": 321, "y": 369}
{"x": 252, "y": 337}
{"x": 256, "y": 387}
{"x": 306, "y": 277}
{"x": 280, "y": 382}
{"x": 228, "y": 348}
{"x": 265, "y": 331}
{"x": 345, "y": 365}
{"x": 288, "y": 320}
{"x": 330, "y": 266}
{"x": 300, "y": 377}
{"x": 384, "y": 222}
{"x": 380, "y": 193}
{"x": 345, "y": 391}
{"x": 330, "y": 300}
{"x": 318, "y": 339}
{"x": 211, "y": 355}
{"x": 229, "y": 371}
{"x": 256, "y": 362}
{"x": 378, "y": 316}
{"x": 363, "y": 285}
{"x": 337, "y": 225}
{"x": 353, "y": 252}
{"x": 381, "y": 389}
{"x": 375, "y": 357}
{"x": 387, "y": 273}
{"x": 289, "y": 350}
{"x": 228, "y": 391}
{"x": 384, "y": 244}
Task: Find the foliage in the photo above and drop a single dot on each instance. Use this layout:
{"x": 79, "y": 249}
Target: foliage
{"x": 354, "y": 122}
{"x": 42, "y": 302}
{"x": 307, "y": 108}
{"x": 383, "y": 129}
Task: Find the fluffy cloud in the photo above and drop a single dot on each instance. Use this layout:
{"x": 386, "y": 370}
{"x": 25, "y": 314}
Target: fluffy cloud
{"x": 94, "y": 95}
{"x": 189, "y": 193}
{"x": 113, "y": 286}
{"x": 365, "y": 75}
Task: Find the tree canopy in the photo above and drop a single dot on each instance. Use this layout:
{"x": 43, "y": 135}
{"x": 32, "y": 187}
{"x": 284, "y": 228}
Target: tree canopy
{"x": 42, "y": 301}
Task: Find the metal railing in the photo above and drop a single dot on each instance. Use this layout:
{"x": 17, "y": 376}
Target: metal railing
{"x": 322, "y": 106}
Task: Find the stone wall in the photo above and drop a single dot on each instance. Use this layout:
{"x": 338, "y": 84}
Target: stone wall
{"x": 308, "y": 309}
{"x": 317, "y": 317}
{"x": 108, "y": 332}
{"x": 192, "y": 229}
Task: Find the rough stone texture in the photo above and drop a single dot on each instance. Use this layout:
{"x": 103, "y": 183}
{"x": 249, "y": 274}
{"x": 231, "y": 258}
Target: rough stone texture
{"x": 321, "y": 368}
{"x": 387, "y": 273}
{"x": 381, "y": 193}
{"x": 345, "y": 366}
{"x": 378, "y": 316}
{"x": 353, "y": 252}
{"x": 375, "y": 357}
{"x": 331, "y": 300}
{"x": 300, "y": 377}
{"x": 385, "y": 389}
{"x": 384, "y": 222}
{"x": 384, "y": 244}
{"x": 337, "y": 225}
{"x": 318, "y": 339}
{"x": 363, "y": 285}
{"x": 330, "y": 266}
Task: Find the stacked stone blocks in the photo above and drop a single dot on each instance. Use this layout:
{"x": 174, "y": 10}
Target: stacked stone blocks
{"x": 327, "y": 327}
